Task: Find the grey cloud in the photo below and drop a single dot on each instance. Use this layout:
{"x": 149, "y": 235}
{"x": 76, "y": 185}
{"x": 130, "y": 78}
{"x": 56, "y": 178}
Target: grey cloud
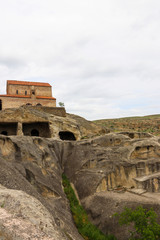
{"x": 98, "y": 73}
{"x": 102, "y": 61}
{"x": 12, "y": 62}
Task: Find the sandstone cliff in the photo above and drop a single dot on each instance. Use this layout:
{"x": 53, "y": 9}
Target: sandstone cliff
{"x": 108, "y": 172}
{"x": 20, "y": 121}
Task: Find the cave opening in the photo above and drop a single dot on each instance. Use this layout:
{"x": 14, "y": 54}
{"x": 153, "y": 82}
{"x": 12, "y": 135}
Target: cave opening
{"x": 66, "y": 135}
{"x": 8, "y": 129}
{"x": 131, "y": 135}
{"x": 35, "y": 132}
{"x": 4, "y": 133}
{"x": 38, "y": 129}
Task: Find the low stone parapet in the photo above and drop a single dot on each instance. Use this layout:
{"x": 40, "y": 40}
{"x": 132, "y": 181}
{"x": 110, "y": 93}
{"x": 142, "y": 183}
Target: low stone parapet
{"x": 58, "y": 111}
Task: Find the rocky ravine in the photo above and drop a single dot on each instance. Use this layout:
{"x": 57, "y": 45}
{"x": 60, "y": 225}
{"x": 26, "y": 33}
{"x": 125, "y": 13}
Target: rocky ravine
{"x": 32, "y": 167}
{"x": 114, "y": 171}
{"x": 108, "y": 173}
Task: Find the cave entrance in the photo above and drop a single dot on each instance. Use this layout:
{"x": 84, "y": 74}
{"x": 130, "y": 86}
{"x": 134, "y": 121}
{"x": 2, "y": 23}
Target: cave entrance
{"x": 4, "y": 133}
{"x": 35, "y": 132}
{"x": 66, "y": 135}
{"x": 39, "y": 129}
{"x": 8, "y": 129}
{"x": 0, "y": 104}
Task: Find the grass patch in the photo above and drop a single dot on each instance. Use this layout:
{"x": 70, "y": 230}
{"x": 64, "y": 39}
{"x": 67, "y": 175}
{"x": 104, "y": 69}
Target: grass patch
{"x": 84, "y": 226}
{"x": 148, "y": 124}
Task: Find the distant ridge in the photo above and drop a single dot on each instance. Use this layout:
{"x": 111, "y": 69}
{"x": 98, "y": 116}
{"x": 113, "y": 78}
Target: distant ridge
{"x": 148, "y": 123}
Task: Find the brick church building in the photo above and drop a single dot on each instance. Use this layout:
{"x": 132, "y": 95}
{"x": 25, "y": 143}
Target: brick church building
{"x": 27, "y": 93}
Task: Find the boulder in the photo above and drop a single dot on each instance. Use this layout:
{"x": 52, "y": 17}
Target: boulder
{"x": 24, "y": 217}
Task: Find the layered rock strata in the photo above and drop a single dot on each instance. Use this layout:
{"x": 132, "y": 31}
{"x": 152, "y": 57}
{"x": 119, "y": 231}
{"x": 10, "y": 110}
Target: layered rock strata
{"x": 108, "y": 172}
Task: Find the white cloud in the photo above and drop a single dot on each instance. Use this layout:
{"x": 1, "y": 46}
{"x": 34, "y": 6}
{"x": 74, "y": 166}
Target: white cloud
{"x": 102, "y": 57}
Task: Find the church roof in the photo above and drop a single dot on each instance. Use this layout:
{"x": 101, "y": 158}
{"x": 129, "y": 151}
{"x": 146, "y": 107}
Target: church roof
{"x": 16, "y": 82}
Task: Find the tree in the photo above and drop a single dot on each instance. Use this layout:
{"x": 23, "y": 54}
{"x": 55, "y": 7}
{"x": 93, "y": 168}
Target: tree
{"x": 61, "y": 104}
{"x": 145, "y": 223}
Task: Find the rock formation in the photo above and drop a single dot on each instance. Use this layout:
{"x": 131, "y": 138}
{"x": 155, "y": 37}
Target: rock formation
{"x": 108, "y": 172}
{"x": 114, "y": 171}
{"x": 48, "y": 124}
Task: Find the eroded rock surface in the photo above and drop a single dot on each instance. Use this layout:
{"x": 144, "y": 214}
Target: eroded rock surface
{"x": 114, "y": 171}
{"x": 24, "y": 120}
{"x": 23, "y": 217}
{"x": 103, "y": 205}
{"x": 108, "y": 172}
{"x": 33, "y": 165}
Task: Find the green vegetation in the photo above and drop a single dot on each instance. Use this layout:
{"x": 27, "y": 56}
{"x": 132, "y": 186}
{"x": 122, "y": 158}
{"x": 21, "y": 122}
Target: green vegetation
{"x": 145, "y": 223}
{"x": 61, "y": 104}
{"x": 148, "y": 124}
{"x": 84, "y": 226}
{"x": 2, "y": 205}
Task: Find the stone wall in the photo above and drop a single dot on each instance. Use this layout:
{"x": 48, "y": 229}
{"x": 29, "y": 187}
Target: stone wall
{"x": 58, "y": 111}
{"x": 13, "y": 102}
{"x": 39, "y": 90}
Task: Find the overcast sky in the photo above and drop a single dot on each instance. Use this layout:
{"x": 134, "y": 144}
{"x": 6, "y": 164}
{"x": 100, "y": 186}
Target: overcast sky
{"x": 102, "y": 57}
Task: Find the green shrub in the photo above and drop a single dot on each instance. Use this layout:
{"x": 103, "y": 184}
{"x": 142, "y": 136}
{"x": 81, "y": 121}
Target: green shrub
{"x": 84, "y": 226}
{"x": 145, "y": 223}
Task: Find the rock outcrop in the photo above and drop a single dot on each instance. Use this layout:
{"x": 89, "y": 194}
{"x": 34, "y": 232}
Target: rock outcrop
{"x": 24, "y": 120}
{"x": 23, "y": 217}
{"x": 108, "y": 172}
{"x": 114, "y": 171}
{"x": 33, "y": 165}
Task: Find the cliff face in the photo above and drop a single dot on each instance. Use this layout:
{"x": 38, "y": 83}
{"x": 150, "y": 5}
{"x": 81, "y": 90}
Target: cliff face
{"x": 23, "y": 120}
{"x": 108, "y": 172}
{"x": 33, "y": 165}
{"x": 112, "y": 172}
